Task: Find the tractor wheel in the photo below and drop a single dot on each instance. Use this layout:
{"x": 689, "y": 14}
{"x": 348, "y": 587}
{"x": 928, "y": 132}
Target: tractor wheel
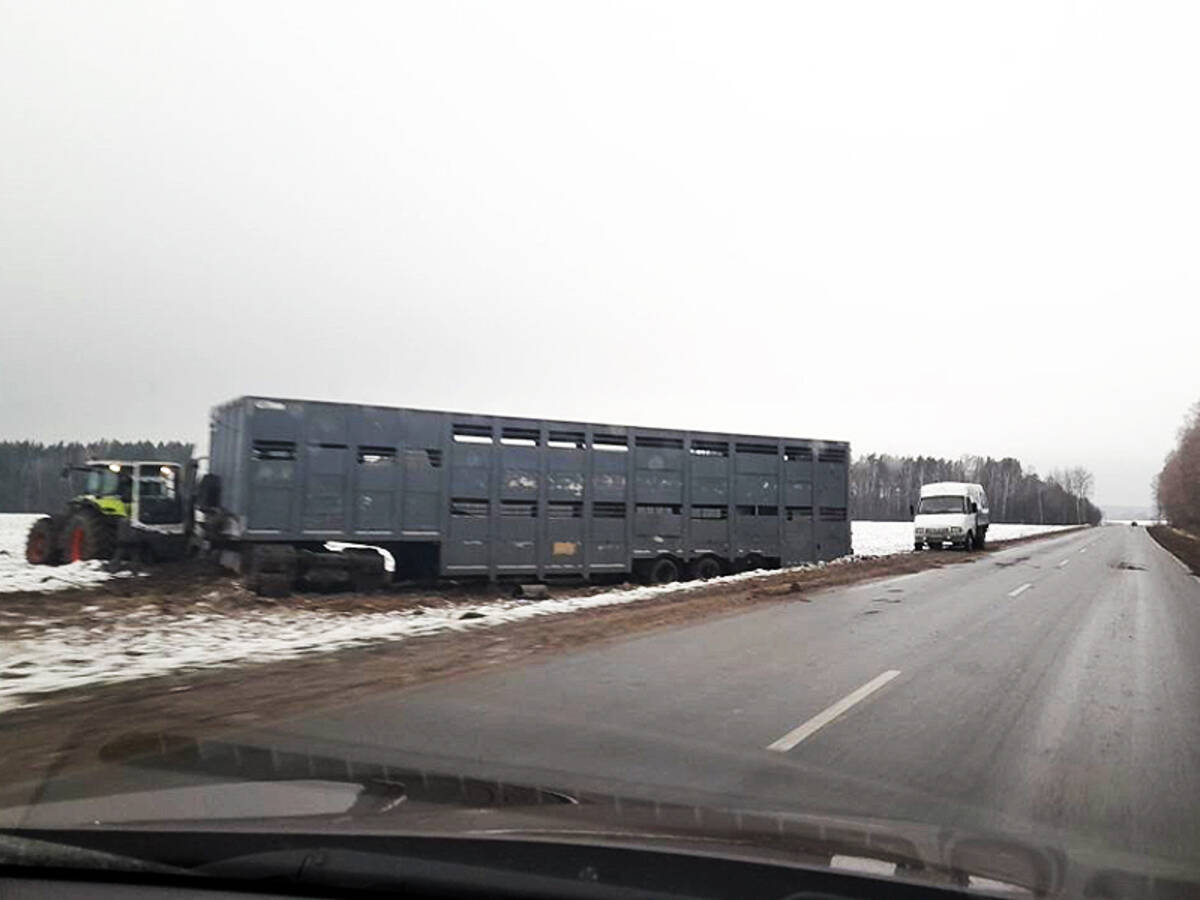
{"x": 88, "y": 535}
{"x": 40, "y": 548}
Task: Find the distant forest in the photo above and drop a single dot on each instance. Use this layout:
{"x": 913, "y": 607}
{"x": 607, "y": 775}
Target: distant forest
{"x": 1177, "y": 486}
{"x": 881, "y": 487}
{"x": 30, "y": 473}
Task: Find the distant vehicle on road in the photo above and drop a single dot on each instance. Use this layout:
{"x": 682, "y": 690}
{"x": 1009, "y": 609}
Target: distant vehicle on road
{"x": 1133, "y": 524}
{"x": 950, "y": 512}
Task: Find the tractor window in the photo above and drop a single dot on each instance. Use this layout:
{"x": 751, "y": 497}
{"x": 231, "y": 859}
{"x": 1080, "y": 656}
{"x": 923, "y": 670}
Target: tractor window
{"x": 105, "y": 482}
{"x": 158, "y": 495}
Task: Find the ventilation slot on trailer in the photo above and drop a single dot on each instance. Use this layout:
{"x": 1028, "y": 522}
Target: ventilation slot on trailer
{"x": 833, "y": 514}
{"x": 604, "y": 509}
{"x": 519, "y": 437}
{"x": 472, "y": 434}
{"x": 566, "y": 440}
{"x": 468, "y": 507}
{"x": 757, "y": 449}
{"x": 799, "y": 513}
{"x": 564, "y": 510}
{"x": 651, "y": 442}
{"x": 710, "y": 448}
{"x": 518, "y": 509}
{"x": 376, "y": 456}
{"x": 832, "y": 455}
{"x": 710, "y": 512}
{"x": 798, "y": 454}
{"x": 274, "y": 450}
{"x": 610, "y": 443}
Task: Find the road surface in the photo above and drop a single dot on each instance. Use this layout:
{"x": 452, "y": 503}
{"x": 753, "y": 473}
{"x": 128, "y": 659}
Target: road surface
{"x": 1052, "y": 686}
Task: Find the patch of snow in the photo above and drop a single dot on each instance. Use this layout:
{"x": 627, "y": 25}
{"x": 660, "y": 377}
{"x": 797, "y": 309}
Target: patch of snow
{"x": 145, "y": 642}
{"x": 883, "y": 538}
{"x": 18, "y": 575}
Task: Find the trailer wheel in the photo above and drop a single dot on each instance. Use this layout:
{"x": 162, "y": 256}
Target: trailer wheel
{"x": 270, "y": 569}
{"x": 704, "y": 568}
{"x": 88, "y": 535}
{"x": 367, "y": 571}
{"x": 40, "y": 548}
{"x": 663, "y": 570}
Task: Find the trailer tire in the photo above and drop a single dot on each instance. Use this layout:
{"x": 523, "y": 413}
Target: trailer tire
{"x": 270, "y": 569}
{"x": 367, "y": 572}
{"x": 663, "y": 570}
{"x": 704, "y": 568}
{"x": 40, "y": 546}
{"x": 88, "y": 535}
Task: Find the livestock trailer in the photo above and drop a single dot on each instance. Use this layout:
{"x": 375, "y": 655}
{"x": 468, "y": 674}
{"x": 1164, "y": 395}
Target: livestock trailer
{"x": 461, "y": 494}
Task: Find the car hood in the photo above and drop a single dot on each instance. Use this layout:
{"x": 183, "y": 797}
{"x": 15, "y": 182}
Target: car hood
{"x": 223, "y": 787}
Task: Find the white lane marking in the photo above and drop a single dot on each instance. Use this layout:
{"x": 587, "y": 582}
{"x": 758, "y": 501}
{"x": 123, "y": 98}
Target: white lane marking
{"x": 1061, "y": 564}
{"x": 1022, "y": 589}
{"x": 1084, "y": 549}
{"x": 823, "y": 718}
{"x": 1181, "y": 563}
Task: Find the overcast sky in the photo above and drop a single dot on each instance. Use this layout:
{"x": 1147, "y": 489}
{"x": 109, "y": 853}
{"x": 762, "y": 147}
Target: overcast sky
{"x": 924, "y": 228}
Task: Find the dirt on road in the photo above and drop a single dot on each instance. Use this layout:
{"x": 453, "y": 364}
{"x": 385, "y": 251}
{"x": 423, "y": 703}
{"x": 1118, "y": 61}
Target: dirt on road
{"x": 66, "y": 729}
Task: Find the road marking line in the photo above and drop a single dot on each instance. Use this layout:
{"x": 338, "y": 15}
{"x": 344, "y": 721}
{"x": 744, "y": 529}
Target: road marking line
{"x": 1181, "y": 563}
{"x": 1084, "y": 549}
{"x": 1061, "y": 564}
{"x": 1022, "y": 589}
{"x": 823, "y": 718}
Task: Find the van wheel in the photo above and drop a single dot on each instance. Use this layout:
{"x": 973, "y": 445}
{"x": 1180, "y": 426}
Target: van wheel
{"x": 969, "y": 543}
{"x": 980, "y": 538}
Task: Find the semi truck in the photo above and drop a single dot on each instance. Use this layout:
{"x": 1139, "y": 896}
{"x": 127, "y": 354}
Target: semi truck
{"x": 449, "y": 494}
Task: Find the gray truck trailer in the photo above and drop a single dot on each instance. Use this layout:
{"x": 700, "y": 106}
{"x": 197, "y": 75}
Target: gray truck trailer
{"x": 459, "y": 494}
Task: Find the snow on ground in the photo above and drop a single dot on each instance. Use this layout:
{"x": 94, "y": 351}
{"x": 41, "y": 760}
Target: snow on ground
{"x": 146, "y": 642}
{"x": 48, "y": 655}
{"x": 18, "y": 575}
{"x": 882, "y": 538}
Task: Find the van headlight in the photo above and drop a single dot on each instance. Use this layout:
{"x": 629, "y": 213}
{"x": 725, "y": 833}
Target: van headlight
{"x": 954, "y": 529}
{"x": 919, "y": 530}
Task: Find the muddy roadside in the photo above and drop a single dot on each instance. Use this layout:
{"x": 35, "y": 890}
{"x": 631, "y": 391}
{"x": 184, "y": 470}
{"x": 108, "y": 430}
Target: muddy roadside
{"x": 65, "y": 730}
{"x": 1183, "y": 545}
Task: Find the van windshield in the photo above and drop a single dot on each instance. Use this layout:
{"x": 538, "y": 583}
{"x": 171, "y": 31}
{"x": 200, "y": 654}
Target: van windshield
{"x": 942, "y": 505}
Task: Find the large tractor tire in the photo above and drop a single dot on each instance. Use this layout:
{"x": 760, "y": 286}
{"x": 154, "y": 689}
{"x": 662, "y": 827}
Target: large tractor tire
{"x": 40, "y": 546}
{"x": 88, "y": 535}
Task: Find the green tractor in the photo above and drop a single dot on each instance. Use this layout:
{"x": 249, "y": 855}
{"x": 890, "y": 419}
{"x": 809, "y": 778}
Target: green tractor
{"x": 127, "y": 509}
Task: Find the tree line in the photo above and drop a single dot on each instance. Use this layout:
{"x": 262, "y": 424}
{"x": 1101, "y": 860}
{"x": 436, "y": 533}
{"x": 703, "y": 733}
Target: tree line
{"x": 31, "y": 473}
{"x": 1177, "y": 486}
{"x": 883, "y": 486}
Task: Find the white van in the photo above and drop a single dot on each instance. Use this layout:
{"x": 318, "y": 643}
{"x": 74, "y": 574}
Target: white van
{"x": 953, "y": 512}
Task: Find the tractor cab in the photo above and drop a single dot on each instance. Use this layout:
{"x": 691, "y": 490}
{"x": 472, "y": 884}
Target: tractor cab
{"x": 119, "y": 507}
{"x": 147, "y": 494}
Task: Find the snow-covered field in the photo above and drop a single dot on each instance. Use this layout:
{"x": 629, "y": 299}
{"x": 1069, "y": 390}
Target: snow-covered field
{"x": 109, "y": 646}
{"x": 882, "y": 538}
{"x": 18, "y": 575}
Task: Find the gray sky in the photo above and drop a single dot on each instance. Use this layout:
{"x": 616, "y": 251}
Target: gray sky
{"x": 941, "y": 228}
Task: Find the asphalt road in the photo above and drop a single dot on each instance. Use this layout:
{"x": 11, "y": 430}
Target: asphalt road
{"x": 1049, "y": 688}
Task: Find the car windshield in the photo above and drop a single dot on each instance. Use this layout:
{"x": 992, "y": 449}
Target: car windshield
{"x": 945, "y": 504}
{"x": 508, "y": 422}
